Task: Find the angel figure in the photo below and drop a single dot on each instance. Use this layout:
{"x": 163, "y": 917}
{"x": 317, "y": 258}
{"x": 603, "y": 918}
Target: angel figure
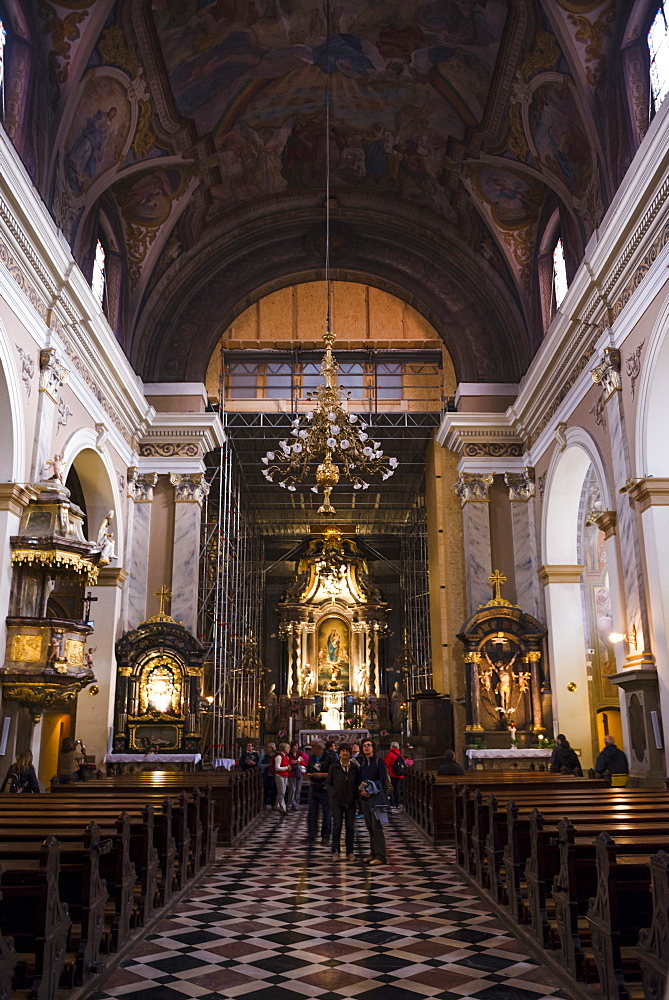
{"x": 307, "y": 680}
{"x": 88, "y": 657}
{"x": 524, "y": 682}
{"x": 57, "y": 468}
{"x": 55, "y": 651}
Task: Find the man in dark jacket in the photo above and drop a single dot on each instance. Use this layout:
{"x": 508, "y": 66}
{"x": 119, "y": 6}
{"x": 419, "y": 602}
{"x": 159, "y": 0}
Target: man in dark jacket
{"x": 564, "y": 759}
{"x": 249, "y": 759}
{"x": 450, "y": 765}
{"x": 611, "y": 759}
{"x": 318, "y": 765}
{"x": 342, "y": 783}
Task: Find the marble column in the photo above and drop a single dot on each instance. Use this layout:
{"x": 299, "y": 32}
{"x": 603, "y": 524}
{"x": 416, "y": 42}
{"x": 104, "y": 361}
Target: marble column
{"x": 140, "y": 491}
{"x": 52, "y": 376}
{"x": 95, "y": 713}
{"x": 567, "y": 646}
{"x": 474, "y": 723}
{"x": 472, "y": 488}
{"x": 534, "y": 656}
{"x": 607, "y": 374}
{"x": 652, "y": 496}
{"x": 189, "y": 492}
{"x": 521, "y": 497}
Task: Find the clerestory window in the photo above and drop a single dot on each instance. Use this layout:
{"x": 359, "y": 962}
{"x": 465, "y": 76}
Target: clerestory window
{"x": 658, "y": 47}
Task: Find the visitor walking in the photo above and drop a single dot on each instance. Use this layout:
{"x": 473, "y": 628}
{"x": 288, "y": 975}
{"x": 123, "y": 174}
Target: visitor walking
{"x": 282, "y": 769}
{"x": 298, "y": 766}
{"x": 318, "y": 765}
{"x": 374, "y": 785}
{"x": 342, "y": 784}
{"x": 397, "y": 770}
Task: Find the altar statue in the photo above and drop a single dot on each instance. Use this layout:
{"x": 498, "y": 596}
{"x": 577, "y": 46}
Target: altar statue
{"x": 271, "y": 708}
{"x": 397, "y": 713}
{"x": 105, "y": 540}
{"x": 307, "y": 676}
{"x": 504, "y": 686}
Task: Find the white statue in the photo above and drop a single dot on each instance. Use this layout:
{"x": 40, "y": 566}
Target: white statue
{"x": 307, "y": 681}
{"x": 362, "y": 681}
{"x": 57, "y": 468}
{"x": 271, "y": 708}
{"x": 396, "y": 702}
{"x": 105, "y": 540}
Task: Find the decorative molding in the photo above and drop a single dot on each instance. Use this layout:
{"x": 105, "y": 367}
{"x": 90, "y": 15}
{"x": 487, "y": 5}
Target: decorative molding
{"x": 27, "y": 368}
{"x": 472, "y": 487}
{"x": 479, "y": 435}
{"x": 605, "y": 520}
{"x": 650, "y": 493}
{"x": 633, "y": 366}
{"x": 607, "y": 373}
{"x": 18, "y": 273}
{"x": 112, "y": 576}
{"x": 64, "y": 414}
{"x": 170, "y": 449}
{"x": 141, "y": 485}
{"x": 492, "y": 449}
{"x": 560, "y": 574}
{"x": 14, "y": 497}
{"x": 52, "y": 373}
{"x": 189, "y": 488}
{"x": 521, "y": 485}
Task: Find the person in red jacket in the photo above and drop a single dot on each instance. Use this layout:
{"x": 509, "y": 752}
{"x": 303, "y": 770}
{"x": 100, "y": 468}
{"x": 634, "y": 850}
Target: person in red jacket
{"x": 396, "y": 778}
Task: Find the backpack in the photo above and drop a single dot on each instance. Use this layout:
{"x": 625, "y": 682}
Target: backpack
{"x": 399, "y": 767}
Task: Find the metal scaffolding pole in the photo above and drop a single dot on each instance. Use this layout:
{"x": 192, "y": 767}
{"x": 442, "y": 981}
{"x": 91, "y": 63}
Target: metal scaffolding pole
{"x": 414, "y": 588}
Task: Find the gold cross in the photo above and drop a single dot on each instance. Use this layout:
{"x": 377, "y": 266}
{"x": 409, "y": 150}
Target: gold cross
{"x": 496, "y": 581}
{"x": 163, "y": 596}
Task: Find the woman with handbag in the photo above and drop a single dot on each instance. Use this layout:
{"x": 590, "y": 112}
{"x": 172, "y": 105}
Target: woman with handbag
{"x": 374, "y": 797}
{"x": 21, "y": 776}
{"x": 298, "y": 763}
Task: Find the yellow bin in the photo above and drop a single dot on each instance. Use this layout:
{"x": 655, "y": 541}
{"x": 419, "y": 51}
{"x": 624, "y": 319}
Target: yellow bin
{"x": 619, "y": 780}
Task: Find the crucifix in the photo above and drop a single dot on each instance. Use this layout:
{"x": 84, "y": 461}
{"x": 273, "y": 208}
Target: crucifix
{"x": 496, "y": 581}
{"x": 88, "y": 600}
{"x": 164, "y": 595}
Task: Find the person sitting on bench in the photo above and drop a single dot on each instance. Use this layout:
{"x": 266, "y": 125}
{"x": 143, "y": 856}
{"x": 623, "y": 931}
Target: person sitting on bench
{"x": 611, "y": 759}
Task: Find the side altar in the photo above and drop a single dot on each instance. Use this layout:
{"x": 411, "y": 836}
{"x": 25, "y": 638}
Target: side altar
{"x": 158, "y": 689}
{"x": 332, "y": 619}
{"x": 507, "y": 695}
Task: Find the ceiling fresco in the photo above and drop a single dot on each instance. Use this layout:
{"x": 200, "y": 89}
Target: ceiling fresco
{"x": 193, "y": 134}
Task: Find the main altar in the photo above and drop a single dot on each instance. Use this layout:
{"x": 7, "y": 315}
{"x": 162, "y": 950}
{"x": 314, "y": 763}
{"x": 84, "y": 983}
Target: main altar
{"x": 332, "y": 619}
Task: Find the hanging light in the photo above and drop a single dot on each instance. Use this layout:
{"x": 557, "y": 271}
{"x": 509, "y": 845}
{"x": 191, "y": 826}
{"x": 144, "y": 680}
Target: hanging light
{"x": 329, "y": 442}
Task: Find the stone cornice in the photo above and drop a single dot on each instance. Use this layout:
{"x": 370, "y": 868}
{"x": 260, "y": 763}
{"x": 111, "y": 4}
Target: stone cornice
{"x": 560, "y": 574}
{"x": 112, "y": 576}
{"x": 14, "y": 497}
{"x": 178, "y": 442}
{"x": 650, "y": 493}
{"x": 479, "y": 435}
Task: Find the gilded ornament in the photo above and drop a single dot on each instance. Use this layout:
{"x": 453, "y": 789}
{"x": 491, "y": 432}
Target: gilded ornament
{"x": 144, "y": 138}
{"x": 115, "y": 51}
{"x": 472, "y": 487}
{"x": 74, "y": 652}
{"x": 52, "y": 373}
{"x": 521, "y": 485}
{"x": 57, "y": 559}
{"x": 26, "y": 648}
{"x": 607, "y": 373}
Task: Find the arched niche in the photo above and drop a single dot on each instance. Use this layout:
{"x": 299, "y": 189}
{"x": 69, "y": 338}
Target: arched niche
{"x": 652, "y": 441}
{"x": 563, "y": 497}
{"x": 95, "y": 472}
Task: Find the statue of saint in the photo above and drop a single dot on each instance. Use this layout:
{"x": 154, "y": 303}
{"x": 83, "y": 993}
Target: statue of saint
{"x": 307, "y": 680}
{"x": 504, "y": 686}
{"x": 271, "y": 708}
{"x": 396, "y": 702}
{"x": 105, "y": 540}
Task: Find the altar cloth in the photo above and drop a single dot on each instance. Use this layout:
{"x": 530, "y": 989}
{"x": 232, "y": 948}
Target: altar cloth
{"x": 150, "y": 758}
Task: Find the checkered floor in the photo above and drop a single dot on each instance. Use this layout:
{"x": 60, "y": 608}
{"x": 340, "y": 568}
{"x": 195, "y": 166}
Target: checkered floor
{"x": 278, "y": 920}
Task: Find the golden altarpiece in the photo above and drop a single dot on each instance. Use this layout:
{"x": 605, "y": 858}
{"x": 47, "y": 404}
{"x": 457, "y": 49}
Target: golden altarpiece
{"x": 333, "y": 619}
{"x": 505, "y": 687}
{"x": 158, "y": 688}
{"x": 46, "y": 661}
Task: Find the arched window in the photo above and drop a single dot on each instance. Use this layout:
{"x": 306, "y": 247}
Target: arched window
{"x": 3, "y": 42}
{"x": 99, "y": 279}
{"x": 658, "y": 47}
{"x": 559, "y": 274}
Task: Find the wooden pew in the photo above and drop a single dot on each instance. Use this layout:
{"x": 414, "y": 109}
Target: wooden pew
{"x": 621, "y": 907}
{"x": 8, "y": 960}
{"x": 39, "y": 921}
{"x": 653, "y": 948}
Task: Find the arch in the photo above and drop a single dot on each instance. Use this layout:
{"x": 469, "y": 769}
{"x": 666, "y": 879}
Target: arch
{"x": 96, "y": 474}
{"x": 13, "y": 451}
{"x": 651, "y": 442}
{"x": 563, "y": 492}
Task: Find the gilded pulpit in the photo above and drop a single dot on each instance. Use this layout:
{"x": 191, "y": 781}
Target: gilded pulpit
{"x": 46, "y": 662}
{"x": 333, "y": 619}
{"x": 159, "y": 688}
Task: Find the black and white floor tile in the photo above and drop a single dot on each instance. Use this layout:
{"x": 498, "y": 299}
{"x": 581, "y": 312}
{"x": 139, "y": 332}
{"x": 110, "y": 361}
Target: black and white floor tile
{"x": 276, "y": 919}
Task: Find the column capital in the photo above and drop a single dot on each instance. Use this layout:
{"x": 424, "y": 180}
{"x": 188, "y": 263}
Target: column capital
{"x": 650, "y": 492}
{"x": 605, "y": 520}
{"x": 14, "y": 497}
{"x": 189, "y": 488}
{"x": 521, "y": 485}
{"x": 52, "y": 374}
{"x": 560, "y": 574}
{"x": 472, "y": 487}
{"x": 607, "y": 373}
{"x": 141, "y": 484}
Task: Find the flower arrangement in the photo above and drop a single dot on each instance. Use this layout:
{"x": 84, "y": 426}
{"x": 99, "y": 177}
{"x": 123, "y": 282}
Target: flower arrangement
{"x": 282, "y": 734}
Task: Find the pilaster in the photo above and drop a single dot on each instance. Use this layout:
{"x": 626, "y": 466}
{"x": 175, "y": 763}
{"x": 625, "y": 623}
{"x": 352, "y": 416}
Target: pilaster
{"x": 472, "y": 489}
{"x": 140, "y": 491}
{"x": 53, "y": 374}
{"x": 521, "y": 497}
{"x": 189, "y": 492}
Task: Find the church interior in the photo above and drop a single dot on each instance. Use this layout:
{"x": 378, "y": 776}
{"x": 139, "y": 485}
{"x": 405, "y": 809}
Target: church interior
{"x": 334, "y": 353}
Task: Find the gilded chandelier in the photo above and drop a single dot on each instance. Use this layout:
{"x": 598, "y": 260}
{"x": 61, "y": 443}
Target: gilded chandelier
{"x": 331, "y": 438}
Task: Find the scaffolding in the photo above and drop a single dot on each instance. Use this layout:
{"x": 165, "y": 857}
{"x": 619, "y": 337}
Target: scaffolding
{"x": 415, "y": 591}
{"x": 231, "y": 609}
